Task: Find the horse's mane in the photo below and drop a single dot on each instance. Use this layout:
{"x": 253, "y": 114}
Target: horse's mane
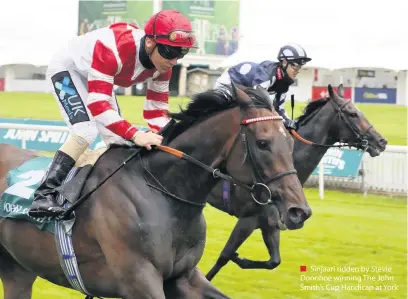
{"x": 311, "y": 107}
{"x": 205, "y": 104}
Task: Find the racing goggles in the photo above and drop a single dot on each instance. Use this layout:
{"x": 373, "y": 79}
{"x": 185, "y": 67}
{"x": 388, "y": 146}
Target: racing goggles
{"x": 178, "y": 37}
{"x": 296, "y": 66}
{"x": 169, "y": 52}
{"x": 298, "y": 63}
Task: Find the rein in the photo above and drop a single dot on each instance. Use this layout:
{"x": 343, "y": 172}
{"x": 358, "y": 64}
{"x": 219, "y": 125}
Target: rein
{"x": 216, "y": 172}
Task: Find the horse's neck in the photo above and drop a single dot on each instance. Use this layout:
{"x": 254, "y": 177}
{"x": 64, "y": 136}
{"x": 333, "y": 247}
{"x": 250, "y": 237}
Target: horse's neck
{"x": 307, "y": 157}
{"x": 206, "y": 143}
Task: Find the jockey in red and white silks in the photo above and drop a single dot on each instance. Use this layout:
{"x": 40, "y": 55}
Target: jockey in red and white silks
{"x": 82, "y": 76}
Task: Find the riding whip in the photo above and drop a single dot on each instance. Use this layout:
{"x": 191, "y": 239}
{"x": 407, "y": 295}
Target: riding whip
{"x": 292, "y": 102}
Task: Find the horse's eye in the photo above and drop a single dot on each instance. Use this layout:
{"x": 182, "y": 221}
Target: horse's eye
{"x": 262, "y": 144}
{"x": 353, "y": 114}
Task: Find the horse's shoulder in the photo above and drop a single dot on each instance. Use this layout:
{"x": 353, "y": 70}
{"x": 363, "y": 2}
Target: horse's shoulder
{"x": 114, "y": 154}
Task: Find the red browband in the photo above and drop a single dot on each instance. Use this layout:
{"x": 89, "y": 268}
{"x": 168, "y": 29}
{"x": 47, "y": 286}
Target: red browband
{"x": 257, "y": 119}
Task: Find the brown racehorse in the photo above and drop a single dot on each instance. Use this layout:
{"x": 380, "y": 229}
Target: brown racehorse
{"x": 324, "y": 122}
{"x": 138, "y": 240}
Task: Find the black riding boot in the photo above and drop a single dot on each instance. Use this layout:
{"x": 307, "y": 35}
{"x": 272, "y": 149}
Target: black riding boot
{"x": 45, "y": 197}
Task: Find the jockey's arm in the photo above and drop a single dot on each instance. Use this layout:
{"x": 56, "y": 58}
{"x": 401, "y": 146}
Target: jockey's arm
{"x": 157, "y": 102}
{"x": 281, "y": 107}
{"x": 288, "y": 122}
{"x": 104, "y": 67}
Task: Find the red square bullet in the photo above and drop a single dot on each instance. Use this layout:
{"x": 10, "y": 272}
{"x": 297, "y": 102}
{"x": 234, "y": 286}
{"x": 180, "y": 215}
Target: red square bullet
{"x": 302, "y": 268}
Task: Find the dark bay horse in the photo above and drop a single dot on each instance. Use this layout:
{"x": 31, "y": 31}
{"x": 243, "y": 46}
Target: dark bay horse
{"x": 141, "y": 234}
{"x": 324, "y": 122}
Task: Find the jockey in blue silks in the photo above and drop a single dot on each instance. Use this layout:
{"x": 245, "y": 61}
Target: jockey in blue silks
{"x": 274, "y": 76}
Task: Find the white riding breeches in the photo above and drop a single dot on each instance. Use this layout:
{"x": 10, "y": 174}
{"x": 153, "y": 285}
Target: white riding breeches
{"x": 70, "y": 89}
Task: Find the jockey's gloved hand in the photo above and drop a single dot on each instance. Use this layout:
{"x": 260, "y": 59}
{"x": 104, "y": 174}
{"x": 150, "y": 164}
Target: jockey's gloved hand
{"x": 291, "y": 124}
{"x": 147, "y": 139}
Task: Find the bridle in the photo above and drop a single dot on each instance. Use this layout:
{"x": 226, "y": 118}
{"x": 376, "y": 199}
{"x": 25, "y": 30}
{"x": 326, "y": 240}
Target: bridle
{"x": 362, "y": 138}
{"x": 258, "y": 181}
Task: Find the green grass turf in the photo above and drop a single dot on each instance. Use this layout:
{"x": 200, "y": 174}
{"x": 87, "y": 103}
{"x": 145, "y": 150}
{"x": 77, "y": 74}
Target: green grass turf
{"x": 345, "y": 230}
{"x": 389, "y": 120}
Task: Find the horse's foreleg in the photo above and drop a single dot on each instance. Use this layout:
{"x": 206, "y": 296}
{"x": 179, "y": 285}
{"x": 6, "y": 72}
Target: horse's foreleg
{"x": 194, "y": 286}
{"x": 271, "y": 237}
{"x": 17, "y": 281}
{"x": 242, "y": 230}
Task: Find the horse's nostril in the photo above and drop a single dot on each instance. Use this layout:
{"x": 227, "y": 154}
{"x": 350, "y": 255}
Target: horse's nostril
{"x": 296, "y": 215}
{"x": 383, "y": 142}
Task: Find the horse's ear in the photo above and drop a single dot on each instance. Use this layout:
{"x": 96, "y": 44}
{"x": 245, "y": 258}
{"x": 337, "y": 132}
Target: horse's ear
{"x": 239, "y": 93}
{"x": 262, "y": 91}
{"x": 331, "y": 92}
{"x": 340, "y": 90}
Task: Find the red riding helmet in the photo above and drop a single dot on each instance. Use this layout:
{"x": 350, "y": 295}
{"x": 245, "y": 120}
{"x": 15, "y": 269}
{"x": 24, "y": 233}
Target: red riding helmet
{"x": 171, "y": 28}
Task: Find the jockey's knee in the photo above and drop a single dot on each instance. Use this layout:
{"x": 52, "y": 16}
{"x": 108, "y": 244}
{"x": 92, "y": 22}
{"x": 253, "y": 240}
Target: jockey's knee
{"x": 85, "y": 130}
{"x": 80, "y": 139}
{"x": 74, "y": 146}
